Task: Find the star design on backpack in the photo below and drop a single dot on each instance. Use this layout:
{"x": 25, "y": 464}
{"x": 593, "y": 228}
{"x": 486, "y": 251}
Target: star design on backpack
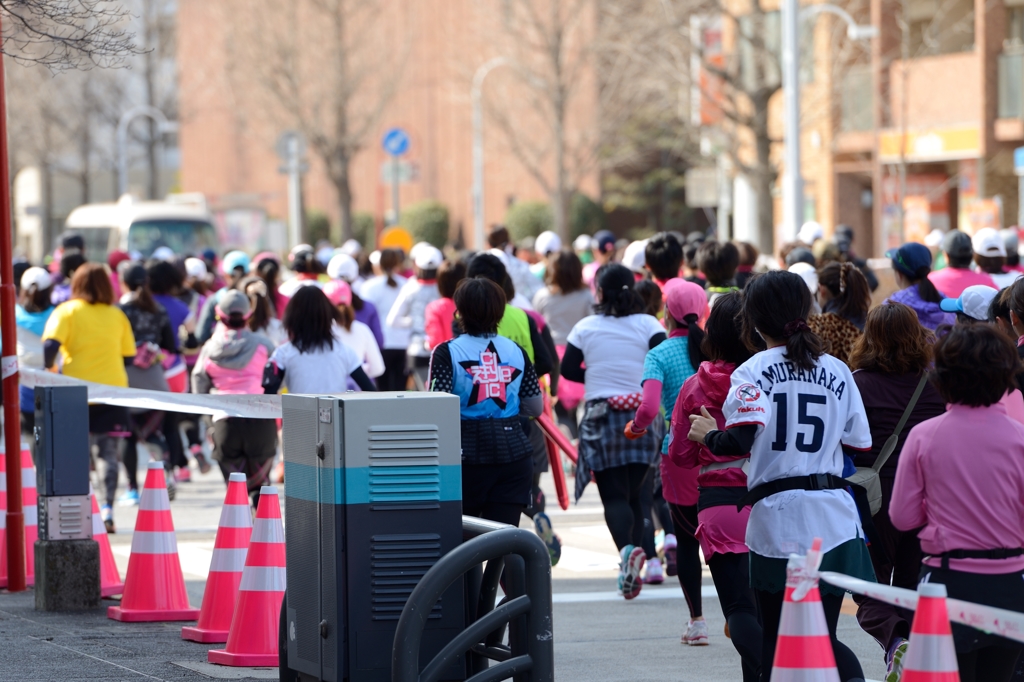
{"x": 490, "y": 377}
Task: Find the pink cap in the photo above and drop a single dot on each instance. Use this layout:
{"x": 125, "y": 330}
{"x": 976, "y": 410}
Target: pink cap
{"x": 338, "y": 292}
{"x": 684, "y": 298}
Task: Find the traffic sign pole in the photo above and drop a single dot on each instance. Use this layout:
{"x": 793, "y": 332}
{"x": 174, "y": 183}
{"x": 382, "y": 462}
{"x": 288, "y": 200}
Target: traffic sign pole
{"x": 395, "y": 143}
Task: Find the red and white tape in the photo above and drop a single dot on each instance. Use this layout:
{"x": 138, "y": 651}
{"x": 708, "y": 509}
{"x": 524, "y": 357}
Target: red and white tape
{"x": 251, "y": 406}
{"x": 1009, "y": 624}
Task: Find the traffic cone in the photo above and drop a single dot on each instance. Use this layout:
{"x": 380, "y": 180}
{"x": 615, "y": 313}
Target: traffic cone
{"x": 252, "y": 640}
{"x": 229, "y": 550}
{"x": 110, "y": 578}
{"x": 803, "y": 652}
{"x": 154, "y": 589}
{"x": 931, "y": 656}
{"x": 30, "y": 508}
{"x": 3, "y": 519}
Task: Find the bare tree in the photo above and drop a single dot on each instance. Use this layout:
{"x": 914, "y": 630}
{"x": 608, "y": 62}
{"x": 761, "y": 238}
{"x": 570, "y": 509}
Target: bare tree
{"x": 545, "y": 42}
{"x": 66, "y": 34}
{"x": 322, "y": 67}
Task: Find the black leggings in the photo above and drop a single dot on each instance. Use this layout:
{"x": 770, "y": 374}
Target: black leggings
{"x": 500, "y": 512}
{"x": 770, "y": 604}
{"x": 655, "y": 507}
{"x": 731, "y": 573}
{"x": 684, "y": 520}
{"x": 621, "y": 489}
{"x": 395, "y": 372}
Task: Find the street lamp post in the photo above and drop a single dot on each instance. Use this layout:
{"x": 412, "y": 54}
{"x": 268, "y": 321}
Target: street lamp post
{"x": 163, "y": 125}
{"x": 792, "y": 181}
{"x": 478, "y": 148}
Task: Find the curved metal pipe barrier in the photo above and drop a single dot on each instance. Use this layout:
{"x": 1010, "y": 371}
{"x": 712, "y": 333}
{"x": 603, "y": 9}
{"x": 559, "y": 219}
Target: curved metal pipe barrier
{"x": 526, "y": 609}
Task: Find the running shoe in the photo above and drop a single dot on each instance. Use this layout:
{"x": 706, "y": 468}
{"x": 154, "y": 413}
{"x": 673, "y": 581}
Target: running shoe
{"x": 631, "y": 564}
{"x": 172, "y": 487}
{"x": 671, "y": 568}
{"x": 183, "y": 475}
{"x": 894, "y": 668}
{"x": 696, "y": 633}
{"x": 130, "y": 498}
{"x": 201, "y": 461}
{"x": 653, "y": 575}
{"x": 543, "y": 525}
{"x": 107, "y": 514}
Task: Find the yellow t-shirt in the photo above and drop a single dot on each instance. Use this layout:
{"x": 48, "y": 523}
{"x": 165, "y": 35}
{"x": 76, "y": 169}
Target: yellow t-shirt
{"x": 94, "y": 340}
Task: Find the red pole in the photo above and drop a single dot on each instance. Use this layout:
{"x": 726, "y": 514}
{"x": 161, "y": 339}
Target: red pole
{"x": 9, "y": 362}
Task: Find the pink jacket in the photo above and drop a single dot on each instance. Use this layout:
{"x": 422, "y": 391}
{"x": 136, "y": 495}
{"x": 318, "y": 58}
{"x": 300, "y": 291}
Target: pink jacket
{"x": 232, "y": 362}
{"x": 708, "y": 388}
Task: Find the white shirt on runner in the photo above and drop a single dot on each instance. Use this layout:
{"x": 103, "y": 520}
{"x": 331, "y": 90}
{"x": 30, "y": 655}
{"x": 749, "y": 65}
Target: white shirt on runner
{"x": 614, "y": 349}
{"x": 803, "y": 419}
{"x": 325, "y": 370}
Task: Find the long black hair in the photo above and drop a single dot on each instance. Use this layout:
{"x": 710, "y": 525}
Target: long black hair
{"x": 723, "y": 332}
{"x": 309, "y": 320}
{"x": 619, "y": 298}
{"x": 775, "y": 305}
{"x": 849, "y": 289}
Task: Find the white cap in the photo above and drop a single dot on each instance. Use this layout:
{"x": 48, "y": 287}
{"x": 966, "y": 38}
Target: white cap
{"x": 195, "y": 268}
{"x": 633, "y": 257}
{"x": 352, "y": 248}
{"x": 500, "y": 255}
{"x": 809, "y": 275}
{"x": 374, "y": 258}
{"x": 343, "y": 267}
{"x": 164, "y": 253}
{"x": 547, "y": 242}
{"x": 582, "y": 243}
{"x": 973, "y": 302}
{"x": 428, "y": 258}
{"x": 38, "y": 277}
{"x": 933, "y": 239}
{"x": 988, "y": 242}
{"x": 417, "y": 247}
{"x": 810, "y": 232}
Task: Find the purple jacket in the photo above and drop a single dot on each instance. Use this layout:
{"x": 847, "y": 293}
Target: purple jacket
{"x": 369, "y": 316}
{"x": 928, "y": 314}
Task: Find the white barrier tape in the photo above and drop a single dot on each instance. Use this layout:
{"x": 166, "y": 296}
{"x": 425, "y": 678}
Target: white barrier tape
{"x": 228, "y": 560}
{"x": 988, "y": 619}
{"x": 263, "y": 579}
{"x": 8, "y": 366}
{"x": 250, "y": 406}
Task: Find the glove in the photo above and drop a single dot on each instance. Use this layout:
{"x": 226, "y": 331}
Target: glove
{"x": 631, "y": 434}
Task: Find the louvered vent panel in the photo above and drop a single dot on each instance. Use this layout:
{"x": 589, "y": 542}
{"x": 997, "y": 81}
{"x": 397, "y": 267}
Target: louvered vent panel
{"x": 404, "y": 464}
{"x": 397, "y": 563}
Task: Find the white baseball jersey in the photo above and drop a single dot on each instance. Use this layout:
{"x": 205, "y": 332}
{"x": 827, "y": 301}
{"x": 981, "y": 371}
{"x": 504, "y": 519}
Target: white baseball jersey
{"x": 803, "y": 419}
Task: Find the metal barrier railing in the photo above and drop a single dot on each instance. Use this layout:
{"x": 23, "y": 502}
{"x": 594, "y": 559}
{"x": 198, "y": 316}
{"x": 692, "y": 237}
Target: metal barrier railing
{"x": 525, "y": 610}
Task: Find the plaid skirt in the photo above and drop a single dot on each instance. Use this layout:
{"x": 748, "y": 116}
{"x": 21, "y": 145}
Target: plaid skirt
{"x": 603, "y": 444}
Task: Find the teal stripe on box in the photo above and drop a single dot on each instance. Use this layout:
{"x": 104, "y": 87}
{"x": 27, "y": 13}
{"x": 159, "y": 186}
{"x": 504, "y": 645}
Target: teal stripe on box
{"x": 363, "y": 485}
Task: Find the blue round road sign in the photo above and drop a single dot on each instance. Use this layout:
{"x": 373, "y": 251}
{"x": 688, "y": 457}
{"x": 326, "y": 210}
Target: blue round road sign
{"x": 396, "y": 142}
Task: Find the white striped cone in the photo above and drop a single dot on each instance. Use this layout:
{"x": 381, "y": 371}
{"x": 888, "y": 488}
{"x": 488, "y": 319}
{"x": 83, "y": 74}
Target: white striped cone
{"x": 229, "y": 550}
{"x": 803, "y": 651}
{"x": 252, "y": 640}
{"x": 110, "y": 577}
{"x": 931, "y": 655}
{"x": 154, "y": 588}
{"x": 30, "y": 508}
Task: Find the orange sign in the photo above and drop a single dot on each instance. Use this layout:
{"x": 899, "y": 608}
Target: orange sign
{"x": 940, "y": 144}
{"x": 916, "y": 219}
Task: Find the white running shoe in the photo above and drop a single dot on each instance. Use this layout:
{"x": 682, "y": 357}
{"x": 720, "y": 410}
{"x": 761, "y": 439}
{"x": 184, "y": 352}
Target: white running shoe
{"x": 630, "y": 566}
{"x": 654, "y": 575}
{"x": 696, "y": 633}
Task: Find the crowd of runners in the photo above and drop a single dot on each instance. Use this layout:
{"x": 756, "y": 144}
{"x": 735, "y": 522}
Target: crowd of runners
{"x": 719, "y": 399}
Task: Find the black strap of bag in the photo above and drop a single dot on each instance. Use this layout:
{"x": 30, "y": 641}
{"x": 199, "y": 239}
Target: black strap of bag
{"x": 891, "y": 441}
{"x": 1001, "y": 553}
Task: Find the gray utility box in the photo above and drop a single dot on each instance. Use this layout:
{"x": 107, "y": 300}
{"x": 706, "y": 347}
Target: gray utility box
{"x": 62, "y": 468}
{"x": 373, "y": 498}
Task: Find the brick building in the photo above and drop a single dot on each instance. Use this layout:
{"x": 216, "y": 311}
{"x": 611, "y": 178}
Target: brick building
{"x": 228, "y": 130}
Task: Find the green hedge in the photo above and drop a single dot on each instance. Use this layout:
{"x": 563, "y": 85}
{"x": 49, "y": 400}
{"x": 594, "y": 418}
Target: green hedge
{"x": 427, "y": 221}
{"x": 364, "y": 229}
{"x": 318, "y": 226}
{"x": 528, "y": 219}
{"x": 585, "y": 216}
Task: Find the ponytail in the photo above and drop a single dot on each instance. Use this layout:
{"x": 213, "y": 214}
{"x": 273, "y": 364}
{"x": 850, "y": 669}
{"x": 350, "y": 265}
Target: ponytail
{"x": 803, "y": 346}
{"x": 618, "y": 294}
{"x": 925, "y": 289}
{"x": 849, "y": 288}
{"x": 694, "y": 339}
